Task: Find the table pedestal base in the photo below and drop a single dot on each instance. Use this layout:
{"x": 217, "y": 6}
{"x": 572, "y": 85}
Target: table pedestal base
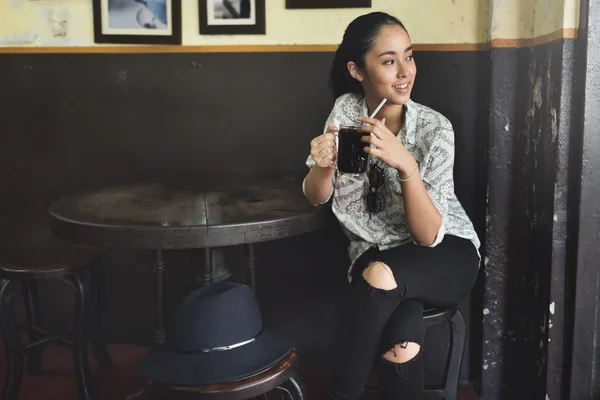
{"x": 160, "y": 298}
{"x": 251, "y": 265}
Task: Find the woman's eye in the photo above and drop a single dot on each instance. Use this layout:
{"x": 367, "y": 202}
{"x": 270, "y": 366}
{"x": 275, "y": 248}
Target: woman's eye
{"x": 409, "y": 58}
{"x": 388, "y": 62}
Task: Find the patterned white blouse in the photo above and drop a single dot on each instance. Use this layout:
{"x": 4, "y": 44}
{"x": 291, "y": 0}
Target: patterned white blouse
{"x": 429, "y": 137}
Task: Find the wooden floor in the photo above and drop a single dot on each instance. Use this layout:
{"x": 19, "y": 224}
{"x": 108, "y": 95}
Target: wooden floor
{"x": 58, "y": 383}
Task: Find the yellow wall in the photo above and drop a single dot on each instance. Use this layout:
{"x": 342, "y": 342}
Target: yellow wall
{"x": 69, "y": 22}
{"x": 524, "y": 19}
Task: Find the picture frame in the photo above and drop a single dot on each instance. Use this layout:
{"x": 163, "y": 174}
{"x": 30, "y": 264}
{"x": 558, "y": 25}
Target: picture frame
{"x": 303, "y": 4}
{"x": 137, "y": 21}
{"x": 232, "y": 17}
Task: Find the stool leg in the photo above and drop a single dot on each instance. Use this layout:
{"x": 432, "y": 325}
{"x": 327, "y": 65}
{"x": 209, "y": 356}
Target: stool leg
{"x": 293, "y": 388}
{"x": 151, "y": 392}
{"x": 96, "y": 313}
{"x": 80, "y": 342}
{"x": 15, "y": 354}
{"x": 458, "y": 335}
{"x": 33, "y": 314}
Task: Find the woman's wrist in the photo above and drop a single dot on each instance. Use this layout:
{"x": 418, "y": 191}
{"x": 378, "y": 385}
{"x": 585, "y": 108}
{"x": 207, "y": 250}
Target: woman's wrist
{"x": 408, "y": 169}
{"x": 328, "y": 170}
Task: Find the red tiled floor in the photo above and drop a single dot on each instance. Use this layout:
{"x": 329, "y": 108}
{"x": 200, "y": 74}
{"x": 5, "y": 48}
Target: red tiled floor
{"x": 58, "y": 383}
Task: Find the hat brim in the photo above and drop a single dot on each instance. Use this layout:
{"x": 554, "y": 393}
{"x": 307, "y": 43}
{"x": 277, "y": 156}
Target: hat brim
{"x": 167, "y": 366}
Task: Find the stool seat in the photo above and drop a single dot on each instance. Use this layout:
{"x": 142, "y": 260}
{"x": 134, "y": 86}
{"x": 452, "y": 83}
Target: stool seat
{"x": 276, "y": 377}
{"x": 22, "y": 263}
{"x": 434, "y": 315}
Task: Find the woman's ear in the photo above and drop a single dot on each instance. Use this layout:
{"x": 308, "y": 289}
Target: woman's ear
{"x": 354, "y": 71}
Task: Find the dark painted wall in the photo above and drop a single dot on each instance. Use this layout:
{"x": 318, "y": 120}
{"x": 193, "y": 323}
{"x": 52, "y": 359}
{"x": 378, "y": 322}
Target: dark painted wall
{"x": 529, "y": 221}
{"x": 585, "y": 361}
{"x": 70, "y": 122}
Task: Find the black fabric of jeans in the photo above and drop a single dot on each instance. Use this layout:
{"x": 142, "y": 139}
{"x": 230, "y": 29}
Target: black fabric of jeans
{"x": 377, "y": 320}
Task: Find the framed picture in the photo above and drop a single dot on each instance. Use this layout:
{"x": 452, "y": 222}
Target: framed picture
{"x": 232, "y": 17}
{"x": 137, "y": 21}
{"x": 296, "y": 4}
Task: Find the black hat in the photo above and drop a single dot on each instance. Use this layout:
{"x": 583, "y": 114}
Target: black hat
{"x": 218, "y": 336}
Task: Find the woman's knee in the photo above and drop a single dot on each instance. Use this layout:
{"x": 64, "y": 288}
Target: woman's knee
{"x": 402, "y": 352}
{"x": 380, "y": 276}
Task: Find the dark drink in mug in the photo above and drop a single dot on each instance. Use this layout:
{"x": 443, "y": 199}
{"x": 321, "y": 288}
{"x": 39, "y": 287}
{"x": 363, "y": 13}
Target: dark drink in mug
{"x": 351, "y": 156}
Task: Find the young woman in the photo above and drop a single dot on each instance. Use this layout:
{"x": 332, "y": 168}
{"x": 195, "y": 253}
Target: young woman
{"x": 411, "y": 242}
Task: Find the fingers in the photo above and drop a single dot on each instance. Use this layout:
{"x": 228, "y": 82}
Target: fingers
{"x": 378, "y": 130}
{"x": 323, "y": 138}
{"x": 375, "y": 152}
{"x": 327, "y": 152}
{"x": 328, "y": 136}
{"x": 331, "y": 128}
{"x": 320, "y": 143}
{"x": 322, "y": 148}
{"x": 372, "y": 121}
{"x": 380, "y": 154}
{"x": 370, "y": 139}
{"x": 325, "y": 158}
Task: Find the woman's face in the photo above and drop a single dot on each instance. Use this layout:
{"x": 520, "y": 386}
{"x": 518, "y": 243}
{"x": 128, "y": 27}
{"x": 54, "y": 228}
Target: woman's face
{"x": 389, "y": 69}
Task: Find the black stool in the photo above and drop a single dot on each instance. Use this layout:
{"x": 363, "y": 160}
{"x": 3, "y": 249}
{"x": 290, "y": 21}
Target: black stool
{"x": 23, "y": 268}
{"x": 458, "y": 335}
{"x": 281, "y": 378}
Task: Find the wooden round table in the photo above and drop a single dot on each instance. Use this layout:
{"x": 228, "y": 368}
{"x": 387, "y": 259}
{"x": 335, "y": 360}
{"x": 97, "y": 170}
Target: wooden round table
{"x": 202, "y": 213}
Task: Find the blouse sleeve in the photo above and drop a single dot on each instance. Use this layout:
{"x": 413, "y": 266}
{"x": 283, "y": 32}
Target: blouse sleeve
{"x": 437, "y": 173}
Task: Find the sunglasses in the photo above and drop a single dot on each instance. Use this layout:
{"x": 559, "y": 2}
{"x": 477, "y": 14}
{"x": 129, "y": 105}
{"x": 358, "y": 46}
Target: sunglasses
{"x": 375, "y": 201}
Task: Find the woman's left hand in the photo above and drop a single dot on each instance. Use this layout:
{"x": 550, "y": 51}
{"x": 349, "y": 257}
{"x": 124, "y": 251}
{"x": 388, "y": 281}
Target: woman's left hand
{"x": 387, "y": 146}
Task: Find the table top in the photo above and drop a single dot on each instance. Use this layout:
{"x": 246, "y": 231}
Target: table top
{"x": 193, "y": 214}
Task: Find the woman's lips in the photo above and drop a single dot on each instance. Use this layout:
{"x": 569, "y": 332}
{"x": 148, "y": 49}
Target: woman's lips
{"x": 402, "y": 88}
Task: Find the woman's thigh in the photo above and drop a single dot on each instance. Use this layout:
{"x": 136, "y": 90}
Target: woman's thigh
{"x": 438, "y": 276}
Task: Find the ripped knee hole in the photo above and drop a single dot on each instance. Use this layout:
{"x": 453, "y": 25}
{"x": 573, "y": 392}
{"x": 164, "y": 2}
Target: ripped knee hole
{"x": 379, "y": 276}
{"x": 402, "y": 352}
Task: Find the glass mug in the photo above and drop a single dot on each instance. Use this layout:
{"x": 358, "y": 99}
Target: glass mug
{"x": 351, "y": 157}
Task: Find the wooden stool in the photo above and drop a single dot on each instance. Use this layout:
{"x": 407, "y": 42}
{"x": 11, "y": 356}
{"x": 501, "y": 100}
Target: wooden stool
{"x": 458, "y": 334}
{"x": 281, "y": 377}
{"x": 23, "y": 268}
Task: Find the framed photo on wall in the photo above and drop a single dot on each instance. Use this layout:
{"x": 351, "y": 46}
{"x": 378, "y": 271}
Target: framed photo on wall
{"x": 298, "y": 4}
{"x": 137, "y": 21}
{"x": 232, "y": 17}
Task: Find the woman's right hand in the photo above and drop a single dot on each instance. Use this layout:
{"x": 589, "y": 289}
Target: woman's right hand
{"x": 322, "y": 148}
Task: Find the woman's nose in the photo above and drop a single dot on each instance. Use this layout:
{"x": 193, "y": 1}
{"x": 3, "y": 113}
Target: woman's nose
{"x": 402, "y": 70}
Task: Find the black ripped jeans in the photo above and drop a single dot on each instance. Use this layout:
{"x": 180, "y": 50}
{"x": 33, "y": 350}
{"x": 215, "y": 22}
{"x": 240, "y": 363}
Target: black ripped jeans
{"x": 379, "y": 319}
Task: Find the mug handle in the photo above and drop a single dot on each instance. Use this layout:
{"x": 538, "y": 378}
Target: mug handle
{"x": 333, "y": 163}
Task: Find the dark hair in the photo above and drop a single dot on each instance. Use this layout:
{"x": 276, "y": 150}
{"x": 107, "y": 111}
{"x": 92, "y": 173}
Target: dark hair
{"x": 358, "y": 40}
